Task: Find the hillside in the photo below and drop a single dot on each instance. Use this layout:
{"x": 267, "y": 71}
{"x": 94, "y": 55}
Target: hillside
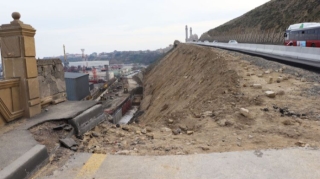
{"x": 194, "y": 95}
{"x": 192, "y": 103}
{"x": 272, "y": 17}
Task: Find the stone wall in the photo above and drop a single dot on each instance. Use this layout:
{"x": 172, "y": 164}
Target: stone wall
{"x": 51, "y": 81}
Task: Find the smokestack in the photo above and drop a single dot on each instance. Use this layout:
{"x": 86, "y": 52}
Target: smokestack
{"x": 190, "y": 32}
{"x": 106, "y": 67}
{"x": 186, "y": 33}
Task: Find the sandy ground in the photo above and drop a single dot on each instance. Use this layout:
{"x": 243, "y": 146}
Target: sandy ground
{"x": 192, "y": 101}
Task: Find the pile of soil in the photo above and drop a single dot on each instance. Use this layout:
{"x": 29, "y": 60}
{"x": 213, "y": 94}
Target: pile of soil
{"x": 186, "y": 83}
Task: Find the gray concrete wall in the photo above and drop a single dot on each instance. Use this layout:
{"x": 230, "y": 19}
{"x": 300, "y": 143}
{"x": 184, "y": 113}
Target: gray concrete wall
{"x": 138, "y": 78}
{"x": 117, "y": 116}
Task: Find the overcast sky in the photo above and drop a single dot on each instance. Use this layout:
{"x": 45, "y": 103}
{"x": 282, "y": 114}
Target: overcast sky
{"x": 108, "y": 25}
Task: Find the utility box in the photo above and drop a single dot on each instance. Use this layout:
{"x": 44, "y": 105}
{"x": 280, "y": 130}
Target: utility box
{"x": 77, "y": 86}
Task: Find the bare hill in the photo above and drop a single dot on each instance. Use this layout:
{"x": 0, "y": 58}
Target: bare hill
{"x": 184, "y": 82}
{"x": 273, "y": 16}
{"x": 197, "y": 93}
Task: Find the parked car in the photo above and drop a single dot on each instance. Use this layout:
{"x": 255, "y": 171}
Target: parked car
{"x": 215, "y": 41}
{"x": 232, "y": 42}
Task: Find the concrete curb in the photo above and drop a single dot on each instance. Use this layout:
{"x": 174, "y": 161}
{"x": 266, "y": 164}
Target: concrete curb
{"x": 26, "y": 164}
{"x": 87, "y": 120}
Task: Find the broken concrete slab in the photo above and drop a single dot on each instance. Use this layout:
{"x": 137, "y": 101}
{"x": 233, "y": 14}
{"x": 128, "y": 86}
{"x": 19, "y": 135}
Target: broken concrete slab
{"x": 68, "y": 142}
{"x": 59, "y": 127}
{"x": 68, "y": 127}
{"x": 88, "y": 120}
{"x": 65, "y": 110}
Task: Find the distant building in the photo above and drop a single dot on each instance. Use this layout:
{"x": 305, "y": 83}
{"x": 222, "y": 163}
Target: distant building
{"x": 192, "y": 37}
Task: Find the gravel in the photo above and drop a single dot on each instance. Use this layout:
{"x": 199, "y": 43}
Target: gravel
{"x": 303, "y": 71}
{"x": 298, "y": 71}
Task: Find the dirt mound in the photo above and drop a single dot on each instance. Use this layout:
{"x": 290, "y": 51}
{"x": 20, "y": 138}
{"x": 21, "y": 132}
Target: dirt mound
{"x": 187, "y": 83}
{"x": 192, "y": 104}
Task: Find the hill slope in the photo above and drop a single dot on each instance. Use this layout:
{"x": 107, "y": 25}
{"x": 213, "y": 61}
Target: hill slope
{"x": 193, "y": 96}
{"x": 275, "y": 15}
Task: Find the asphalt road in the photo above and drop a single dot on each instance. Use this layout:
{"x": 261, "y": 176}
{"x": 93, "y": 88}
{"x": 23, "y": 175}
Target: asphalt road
{"x": 270, "y": 164}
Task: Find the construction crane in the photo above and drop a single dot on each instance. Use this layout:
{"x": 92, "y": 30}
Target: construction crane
{"x": 66, "y": 63}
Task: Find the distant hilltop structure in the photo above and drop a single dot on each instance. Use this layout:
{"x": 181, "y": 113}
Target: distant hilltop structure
{"x": 192, "y": 37}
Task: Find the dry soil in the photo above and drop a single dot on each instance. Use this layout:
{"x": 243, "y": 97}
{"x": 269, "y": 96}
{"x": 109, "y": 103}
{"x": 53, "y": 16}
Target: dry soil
{"x": 192, "y": 101}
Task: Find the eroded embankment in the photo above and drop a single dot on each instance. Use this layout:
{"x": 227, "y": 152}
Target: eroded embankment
{"x": 189, "y": 81}
{"x": 192, "y": 101}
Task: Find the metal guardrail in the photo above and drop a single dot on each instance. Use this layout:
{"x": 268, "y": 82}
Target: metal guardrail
{"x": 303, "y": 55}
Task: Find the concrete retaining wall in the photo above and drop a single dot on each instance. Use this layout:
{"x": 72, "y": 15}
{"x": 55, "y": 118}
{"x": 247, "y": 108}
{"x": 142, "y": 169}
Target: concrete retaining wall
{"x": 124, "y": 107}
{"x": 87, "y": 119}
{"x": 138, "y": 78}
{"x": 117, "y": 116}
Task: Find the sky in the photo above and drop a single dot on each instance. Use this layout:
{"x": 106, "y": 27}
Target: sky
{"x": 122, "y": 25}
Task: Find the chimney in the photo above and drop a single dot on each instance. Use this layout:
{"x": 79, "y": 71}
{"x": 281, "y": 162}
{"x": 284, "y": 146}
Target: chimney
{"x": 186, "y": 33}
{"x": 106, "y": 67}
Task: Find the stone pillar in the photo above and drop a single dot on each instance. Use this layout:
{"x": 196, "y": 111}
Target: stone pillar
{"x": 18, "y": 58}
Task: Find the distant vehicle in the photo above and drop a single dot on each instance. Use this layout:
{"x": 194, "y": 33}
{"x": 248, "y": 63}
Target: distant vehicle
{"x": 206, "y": 41}
{"x": 232, "y": 42}
{"x": 303, "y": 34}
{"x": 215, "y": 41}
